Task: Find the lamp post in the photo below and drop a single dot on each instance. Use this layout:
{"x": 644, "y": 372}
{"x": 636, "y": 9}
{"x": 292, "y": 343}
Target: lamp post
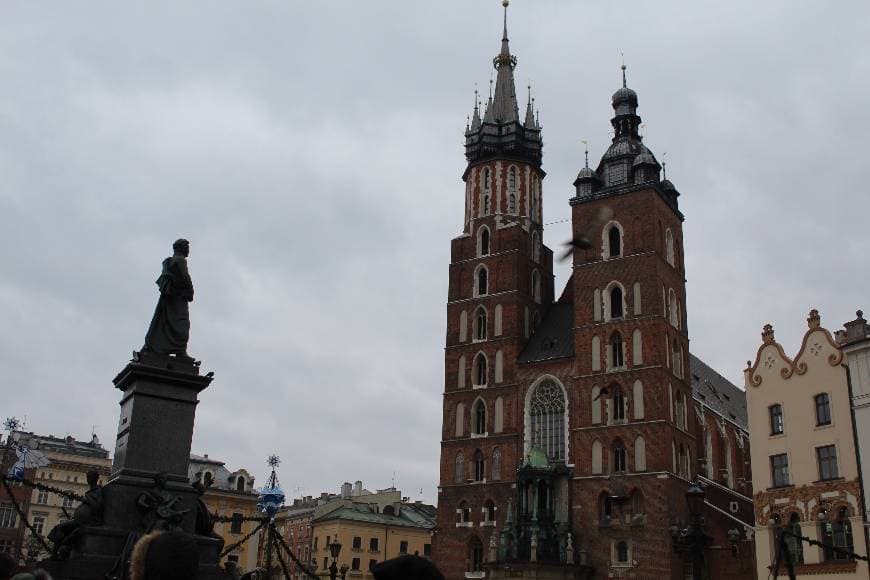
{"x": 334, "y": 551}
{"x": 692, "y": 538}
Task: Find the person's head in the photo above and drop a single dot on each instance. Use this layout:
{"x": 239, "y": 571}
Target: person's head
{"x": 40, "y": 574}
{"x": 7, "y": 566}
{"x": 165, "y": 556}
{"x": 407, "y": 568}
{"x": 93, "y": 478}
{"x": 181, "y": 246}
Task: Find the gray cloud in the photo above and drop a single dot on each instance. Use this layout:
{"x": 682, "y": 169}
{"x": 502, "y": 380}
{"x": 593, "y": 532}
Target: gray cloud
{"x": 312, "y": 153}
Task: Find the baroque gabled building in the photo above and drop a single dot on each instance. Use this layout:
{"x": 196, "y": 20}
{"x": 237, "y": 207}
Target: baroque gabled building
{"x": 572, "y": 426}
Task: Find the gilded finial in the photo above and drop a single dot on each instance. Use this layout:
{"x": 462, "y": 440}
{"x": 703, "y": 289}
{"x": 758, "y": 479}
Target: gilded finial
{"x": 624, "y": 83}
{"x": 814, "y": 320}
{"x": 767, "y": 334}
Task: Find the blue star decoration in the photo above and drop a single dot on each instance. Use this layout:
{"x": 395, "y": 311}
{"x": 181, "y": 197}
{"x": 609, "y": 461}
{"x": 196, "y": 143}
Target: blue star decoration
{"x": 273, "y": 461}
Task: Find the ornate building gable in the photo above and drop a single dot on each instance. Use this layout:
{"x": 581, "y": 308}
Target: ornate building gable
{"x": 817, "y": 345}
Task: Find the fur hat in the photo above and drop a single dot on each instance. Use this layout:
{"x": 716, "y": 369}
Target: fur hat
{"x": 165, "y": 556}
{"x": 407, "y": 568}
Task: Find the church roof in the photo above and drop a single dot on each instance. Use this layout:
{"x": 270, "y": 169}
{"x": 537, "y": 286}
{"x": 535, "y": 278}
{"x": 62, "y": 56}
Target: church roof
{"x": 554, "y": 337}
{"x": 717, "y": 392}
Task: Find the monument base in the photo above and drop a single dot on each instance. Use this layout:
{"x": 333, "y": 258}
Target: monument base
{"x": 537, "y": 571}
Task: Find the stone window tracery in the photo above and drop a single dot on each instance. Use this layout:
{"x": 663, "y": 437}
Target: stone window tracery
{"x": 547, "y": 415}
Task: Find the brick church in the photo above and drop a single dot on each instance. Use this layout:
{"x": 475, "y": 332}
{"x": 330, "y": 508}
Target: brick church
{"x": 574, "y": 423}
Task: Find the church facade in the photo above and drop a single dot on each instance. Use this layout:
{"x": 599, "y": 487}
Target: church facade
{"x": 574, "y": 422}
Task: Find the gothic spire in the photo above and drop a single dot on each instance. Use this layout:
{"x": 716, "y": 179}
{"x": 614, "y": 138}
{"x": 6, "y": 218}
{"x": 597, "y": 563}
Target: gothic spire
{"x": 530, "y": 115}
{"x": 475, "y": 119}
{"x": 505, "y": 108}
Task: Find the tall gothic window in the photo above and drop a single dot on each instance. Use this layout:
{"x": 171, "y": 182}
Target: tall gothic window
{"x": 484, "y": 242}
{"x": 617, "y": 357}
{"x": 480, "y": 324}
{"x": 480, "y": 417}
{"x": 614, "y": 241}
{"x": 512, "y": 203}
{"x": 487, "y": 179}
{"x": 618, "y": 456}
{"x": 512, "y": 179}
{"x": 616, "y": 310}
{"x": 547, "y": 415}
{"x": 618, "y": 403}
{"x": 482, "y": 282}
{"x": 536, "y": 286}
{"x": 480, "y": 369}
{"x": 459, "y": 468}
{"x": 479, "y": 466}
{"x": 486, "y": 204}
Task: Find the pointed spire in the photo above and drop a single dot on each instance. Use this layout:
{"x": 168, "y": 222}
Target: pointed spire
{"x": 475, "y": 119}
{"x": 624, "y": 82}
{"x": 505, "y": 99}
{"x": 530, "y": 116}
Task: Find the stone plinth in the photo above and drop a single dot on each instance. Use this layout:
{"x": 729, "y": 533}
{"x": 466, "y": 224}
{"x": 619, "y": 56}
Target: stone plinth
{"x": 537, "y": 571}
{"x": 155, "y": 430}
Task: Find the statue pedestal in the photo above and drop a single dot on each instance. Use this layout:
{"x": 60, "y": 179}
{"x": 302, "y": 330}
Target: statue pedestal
{"x": 158, "y": 406}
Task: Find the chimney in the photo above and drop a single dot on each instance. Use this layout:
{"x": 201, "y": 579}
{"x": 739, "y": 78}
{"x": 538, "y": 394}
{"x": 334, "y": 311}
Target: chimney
{"x": 357, "y": 488}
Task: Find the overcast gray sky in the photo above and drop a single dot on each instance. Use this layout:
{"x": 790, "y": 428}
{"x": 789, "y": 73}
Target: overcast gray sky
{"x": 312, "y": 153}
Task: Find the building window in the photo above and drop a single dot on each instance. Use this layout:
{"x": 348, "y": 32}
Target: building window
{"x": 354, "y": 564}
{"x": 622, "y": 552}
{"x": 616, "y": 311}
{"x": 373, "y": 545}
{"x": 403, "y": 547}
{"x": 512, "y": 179}
{"x": 776, "y": 424}
{"x": 547, "y": 415}
{"x": 39, "y": 524}
{"x": 67, "y": 502}
{"x": 827, "y": 460}
{"x": 372, "y": 564}
{"x": 480, "y": 324}
{"x": 459, "y": 474}
{"x": 839, "y": 535}
{"x": 236, "y": 524}
{"x": 42, "y": 497}
{"x": 487, "y": 179}
{"x": 315, "y": 543}
{"x": 617, "y": 356}
{"x": 618, "y": 403}
{"x": 483, "y": 249}
{"x": 463, "y": 513}
{"x": 482, "y": 282}
{"x": 614, "y": 241}
{"x": 480, "y": 370}
{"x": 357, "y": 543}
{"x": 512, "y": 203}
{"x": 489, "y": 511}
{"x": 240, "y": 484}
{"x": 823, "y": 409}
{"x": 480, "y": 417}
{"x": 476, "y": 556}
{"x": 779, "y": 470}
{"x": 618, "y": 457}
{"x": 427, "y": 550}
{"x": 479, "y": 466}
{"x": 795, "y": 545}
{"x": 233, "y": 558}
{"x": 325, "y": 563}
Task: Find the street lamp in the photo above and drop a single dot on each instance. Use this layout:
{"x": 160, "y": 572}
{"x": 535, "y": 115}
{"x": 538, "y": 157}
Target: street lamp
{"x": 334, "y": 551}
{"x": 692, "y": 539}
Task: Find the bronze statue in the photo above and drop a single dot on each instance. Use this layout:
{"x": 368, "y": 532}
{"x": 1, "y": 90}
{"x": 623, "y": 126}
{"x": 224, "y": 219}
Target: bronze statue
{"x": 204, "y": 519}
{"x": 170, "y": 327}
{"x": 88, "y": 513}
{"x": 158, "y": 507}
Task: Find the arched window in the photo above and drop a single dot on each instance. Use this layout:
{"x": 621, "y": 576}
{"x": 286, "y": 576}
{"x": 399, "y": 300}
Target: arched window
{"x": 479, "y": 466}
{"x": 617, "y": 357}
{"x": 486, "y": 204}
{"x": 637, "y": 503}
{"x": 616, "y": 310}
{"x": 459, "y": 468}
{"x": 476, "y": 555}
{"x": 482, "y": 281}
{"x": 622, "y": 552}
{"x": 676, "y": 359}
{"x": 536, "y": 286}
{"x": 512, "y": 178}
{"x": 709, "y": 465}
{"x": 596, "y": 354}
{"x": 512, "y": 203}
{"x": 480, "y": 324}
{"x": 614, "y": 239}
{"x": 838, "y": 533}
{"x": 460, "y": 420}
{"x": 489, "y": 511}
{"x": 487, "y": 179}
{"x": 596, "y": 305}
{"x": 635, "y": 292}
{"x": 387, "y": 511}
{"x": 240, "y": 483}
{"x": 480, "y": 417}
{"x": 496, "y": 464}
{"x": 499, "y": 366}
{"x": 496, "y": 323}
{"x": 618, "y": 456}
{"x": 618, "y": 403}
{"x": 480, "y": 370}
{"x": 483, "y": 241}
{"x": 683, "y": 463}
{"x": 463, "y": 513}
{"x": 669, "y": 247}
{"x": 547, "y": 419}
{"x": 795, "y": 546}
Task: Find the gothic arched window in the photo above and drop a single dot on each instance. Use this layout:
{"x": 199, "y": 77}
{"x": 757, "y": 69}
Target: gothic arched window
{"x": 496, "y": 464}
{"x": 616, "y": 310}
{"x": 459, "y": 468}
{"x": 480, "y": 324}
{"x": 480, "y": 369}
{"x": 479, "y": 466}
{"x": 240, "y": 483}
{"x": 480, "y": 417}
{"x": 487, "y": 179}
{"x": 512, "y": 203}
{"x": 482, "y": 282}
{"x": 614, "y": 239}
{"x": 486, "y": 204}
{"x": 618, "y": 403}
{"x": 669, "y": 247}
{"x": 512, "y": 179}
{"x": 547, "y": 417}
{"x": 483, "y": 246}
{"x": 617, "y": 357}
{"x": 618, "y": 456}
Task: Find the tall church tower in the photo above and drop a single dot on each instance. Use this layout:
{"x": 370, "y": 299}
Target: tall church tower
{"x": 633, "y": 437}
{"x": 501, "y": 280}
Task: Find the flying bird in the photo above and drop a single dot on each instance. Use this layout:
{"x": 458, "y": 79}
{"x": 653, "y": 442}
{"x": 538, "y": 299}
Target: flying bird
{"x": 583, "y": 238}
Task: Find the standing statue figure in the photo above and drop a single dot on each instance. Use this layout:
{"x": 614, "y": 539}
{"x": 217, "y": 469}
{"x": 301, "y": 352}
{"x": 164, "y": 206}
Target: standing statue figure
{"x": 170, "y": 327}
